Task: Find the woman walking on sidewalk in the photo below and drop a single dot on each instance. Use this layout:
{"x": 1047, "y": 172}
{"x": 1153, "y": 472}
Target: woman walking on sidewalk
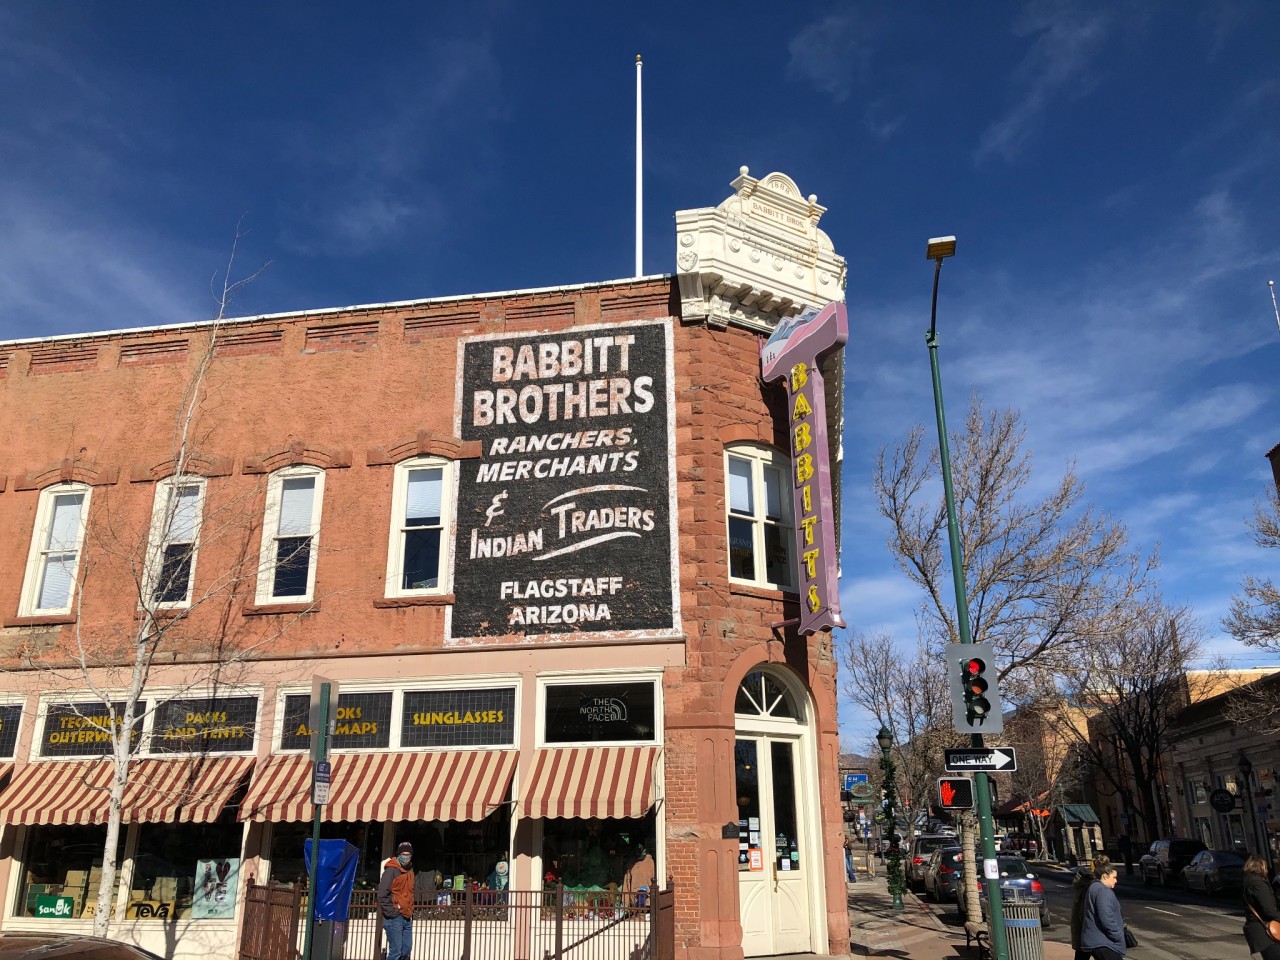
{"x": 1102, "y": 933}
{"x": 1259, "y": 908}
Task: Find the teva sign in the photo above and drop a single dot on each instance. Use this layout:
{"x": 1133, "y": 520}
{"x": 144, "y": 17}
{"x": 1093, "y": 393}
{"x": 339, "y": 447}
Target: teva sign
{"x": 793, "y": 354}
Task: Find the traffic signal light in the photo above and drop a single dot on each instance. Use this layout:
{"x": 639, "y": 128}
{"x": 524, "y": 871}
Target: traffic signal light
{"x": 975, "y": 701}
{"x": 955, "y": 793}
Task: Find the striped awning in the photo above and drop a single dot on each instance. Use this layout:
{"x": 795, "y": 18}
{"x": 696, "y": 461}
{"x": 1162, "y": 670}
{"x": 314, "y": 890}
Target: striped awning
{"x": 170, "y": 790}
{"x": 588, "y": 782}
{"x": 454, "y": 785}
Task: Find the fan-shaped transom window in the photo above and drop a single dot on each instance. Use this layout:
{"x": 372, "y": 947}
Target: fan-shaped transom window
{"x": 764, "y": 695}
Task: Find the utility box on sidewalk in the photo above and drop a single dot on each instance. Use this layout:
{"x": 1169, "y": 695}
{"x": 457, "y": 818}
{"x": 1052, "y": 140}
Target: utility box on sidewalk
{"x": 1022, "y": 929}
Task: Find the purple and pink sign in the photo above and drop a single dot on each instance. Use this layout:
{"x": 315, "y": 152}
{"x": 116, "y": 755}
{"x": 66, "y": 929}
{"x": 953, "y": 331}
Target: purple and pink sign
{"x": 793, "y": 354}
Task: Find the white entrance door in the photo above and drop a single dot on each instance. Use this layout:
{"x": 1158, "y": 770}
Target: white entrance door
{"x": 774, "y": 877}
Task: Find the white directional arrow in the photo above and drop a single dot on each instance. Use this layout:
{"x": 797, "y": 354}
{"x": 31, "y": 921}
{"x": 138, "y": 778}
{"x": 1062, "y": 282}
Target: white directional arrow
{"x": 989, "y": 759}
{"x": 1001, "y": 759}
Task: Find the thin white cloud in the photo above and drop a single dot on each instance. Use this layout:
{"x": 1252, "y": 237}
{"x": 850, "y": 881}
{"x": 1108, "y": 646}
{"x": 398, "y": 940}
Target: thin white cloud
{"x": 830, "y": 53}
{"x": 1063, "y": 54}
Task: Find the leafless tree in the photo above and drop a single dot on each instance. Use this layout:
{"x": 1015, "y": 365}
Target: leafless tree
{"x": 1254, "y": 618}
{"x": 907, "y": 693}
{"x": 124, "y": 556}
{"x": 1132, "y": 685}
{"x": 1041, "y": 573}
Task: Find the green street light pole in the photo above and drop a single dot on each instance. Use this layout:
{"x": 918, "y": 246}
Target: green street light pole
{"x": 893, "y": 859}
{"x": 939, "y": 249}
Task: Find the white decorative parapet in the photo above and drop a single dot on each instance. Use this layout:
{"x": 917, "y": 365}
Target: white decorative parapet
{"x": 757, "y": 257}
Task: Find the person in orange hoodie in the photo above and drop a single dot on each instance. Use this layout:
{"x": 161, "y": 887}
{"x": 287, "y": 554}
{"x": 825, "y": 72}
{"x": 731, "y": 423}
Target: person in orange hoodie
{"x": 395, "y": 898}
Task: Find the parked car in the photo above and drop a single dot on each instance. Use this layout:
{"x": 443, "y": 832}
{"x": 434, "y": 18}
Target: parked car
{"x": 16, "y": 945}
{"x": 917, "y": 859}
{"x": 1214, "y": 870}
{"x": 943, "y": 872}
{"x": 1024, "y": 845}
{"x": 1017, "y": 882}
{"x": 1163, "y": 863}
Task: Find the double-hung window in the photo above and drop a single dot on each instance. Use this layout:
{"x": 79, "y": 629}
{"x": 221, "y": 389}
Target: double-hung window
{"x": 418, "y": 552}
{"x": 759, "y": 518}
{"x": 290, "y": 536}
{"x": 175, "y": 534}
{"x": 56, "y": 545}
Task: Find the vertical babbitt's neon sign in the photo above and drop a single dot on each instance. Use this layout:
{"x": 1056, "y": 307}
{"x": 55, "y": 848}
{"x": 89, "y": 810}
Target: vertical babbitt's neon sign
{"x": 794, "y": 353}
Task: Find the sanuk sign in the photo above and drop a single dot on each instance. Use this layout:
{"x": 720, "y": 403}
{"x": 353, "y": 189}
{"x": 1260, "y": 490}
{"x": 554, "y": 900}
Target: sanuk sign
{"x": 55, "y": 908}
{"x": 793, "y": 354}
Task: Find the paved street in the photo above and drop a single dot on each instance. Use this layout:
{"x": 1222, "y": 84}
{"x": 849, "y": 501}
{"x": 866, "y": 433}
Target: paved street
{"x": 1170, "y": 923}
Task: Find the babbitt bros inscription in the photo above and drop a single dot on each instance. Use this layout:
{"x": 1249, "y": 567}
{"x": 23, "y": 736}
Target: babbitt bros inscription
{"x": 565, "y": 522}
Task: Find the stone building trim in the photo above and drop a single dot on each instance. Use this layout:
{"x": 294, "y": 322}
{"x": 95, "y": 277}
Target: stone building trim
{"x": 197, "y": 465}
{"x": 68, "y": 471}
{"x": 297, "y": 453}
{"x": 425, "y": 444}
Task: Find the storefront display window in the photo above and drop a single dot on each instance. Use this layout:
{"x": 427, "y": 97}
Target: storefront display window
{"x": 289, "y": 866}
{"x": 63, "y": 863}
{"x": 599, "y": 712}
{"x": 448, "y": 851}
{"x": 10, "y": 720}
{"x": 167, "y": 860}
{"x": 613, "y": 854}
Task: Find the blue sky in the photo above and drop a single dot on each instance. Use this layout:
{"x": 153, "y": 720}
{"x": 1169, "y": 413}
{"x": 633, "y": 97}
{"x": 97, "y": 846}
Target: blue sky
{"x": 1109, "y": 169}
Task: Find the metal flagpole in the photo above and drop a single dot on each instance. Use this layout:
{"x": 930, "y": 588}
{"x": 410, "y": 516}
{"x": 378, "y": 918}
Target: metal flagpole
{"x": 639, "y": 178}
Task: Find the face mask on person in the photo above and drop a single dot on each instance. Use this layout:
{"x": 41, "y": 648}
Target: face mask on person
{"x": 404, "y": 859}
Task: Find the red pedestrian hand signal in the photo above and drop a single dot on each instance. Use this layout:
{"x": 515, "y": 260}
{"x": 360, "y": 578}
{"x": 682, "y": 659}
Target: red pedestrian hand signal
{"x": 955, "y": 793}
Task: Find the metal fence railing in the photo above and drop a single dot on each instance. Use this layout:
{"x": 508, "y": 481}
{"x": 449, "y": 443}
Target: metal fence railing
{"x": 557, "y": 923}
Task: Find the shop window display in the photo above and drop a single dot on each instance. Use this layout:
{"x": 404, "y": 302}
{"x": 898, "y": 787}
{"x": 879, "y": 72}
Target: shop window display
{"x": 447, "y": 853}
{"x": 168, "y": 858}
{"x": 613, "y": 855}
{"x": 288, "y": 865}
{"x": 63, "y": 863}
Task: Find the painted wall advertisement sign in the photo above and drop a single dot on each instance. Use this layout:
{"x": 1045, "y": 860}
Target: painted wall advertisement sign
{"x": 566, "y": 521}
{"x": 793, "y": 354}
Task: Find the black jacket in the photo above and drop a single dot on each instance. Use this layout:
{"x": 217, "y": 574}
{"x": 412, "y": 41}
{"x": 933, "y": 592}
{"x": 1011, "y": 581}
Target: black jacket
{"x": 1259, "y": 897}
{"x": 1079, "y": 887}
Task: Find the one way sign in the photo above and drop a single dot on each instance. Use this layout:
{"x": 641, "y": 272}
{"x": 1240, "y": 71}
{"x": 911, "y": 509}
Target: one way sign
{"x": 992, "y": 759}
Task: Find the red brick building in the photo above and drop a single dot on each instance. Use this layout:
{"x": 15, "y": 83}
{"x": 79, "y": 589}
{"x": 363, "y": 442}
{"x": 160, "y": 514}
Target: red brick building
{"x": 543, "y": 542}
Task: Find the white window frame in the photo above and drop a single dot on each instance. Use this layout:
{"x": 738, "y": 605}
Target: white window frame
{"x": 161, "y": 538}
{"x": 270, "y": 533}
{"x": 397, "y": 528}
{"x": 33, "y": 579}
{"x": 759, "y": 458}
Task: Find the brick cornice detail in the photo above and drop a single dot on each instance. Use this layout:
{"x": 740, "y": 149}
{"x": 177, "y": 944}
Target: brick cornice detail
{"x": 425, "y": 443}
{"x": 297, "y": 453}
{"x": 196, "y": 465}
{"x": 68, "y": 471}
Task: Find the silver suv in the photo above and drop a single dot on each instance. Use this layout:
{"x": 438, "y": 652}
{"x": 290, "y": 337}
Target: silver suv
{"x": 917, "y": 860}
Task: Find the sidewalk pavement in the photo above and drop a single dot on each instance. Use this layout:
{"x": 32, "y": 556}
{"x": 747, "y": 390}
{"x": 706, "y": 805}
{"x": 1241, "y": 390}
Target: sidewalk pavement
{"x": 914, "y": 933}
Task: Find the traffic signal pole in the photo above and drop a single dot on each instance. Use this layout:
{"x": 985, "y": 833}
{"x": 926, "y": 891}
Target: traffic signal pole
{"x": 981, "y": 785}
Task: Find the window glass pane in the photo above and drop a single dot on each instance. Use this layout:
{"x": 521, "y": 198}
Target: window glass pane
{"x": 742, "y": 553}
{"x": 787, "y": 842}
{"x": 175, "y": 574}
{"x": 289, "y": 867}
{"x": 587, "y": 712}
{"x": 64, "y": 530}
{"x": 746, "y": 772}
{"x": 185, "y": 515}
{"x": 293, "y": 563}
{"x": 445, "y": 850}
{"x": 777, "y": 554}
{"x": 165, "y": 868}
{"x": 777, "y": 702}
{"x": 422, "y": 498}
{"x": 773, "y": 497}
{"x": 421, "y": 559}
{"x": 740, "y": 493}
{"x": 55, "y": 583}
{"x": 64, "y": 862}
{"x": 296, "y": 495}
{"x": 748, "y": 699}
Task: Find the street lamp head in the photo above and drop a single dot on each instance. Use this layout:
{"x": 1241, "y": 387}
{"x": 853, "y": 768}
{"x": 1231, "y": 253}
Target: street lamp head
{"x": 884, "y": 738}
{"x": 940, "y": 248}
